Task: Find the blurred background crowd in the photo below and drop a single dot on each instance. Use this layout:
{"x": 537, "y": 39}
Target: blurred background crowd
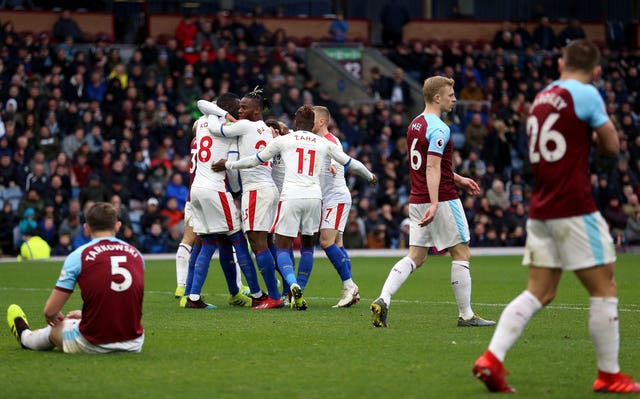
{"x": 81, "y": 122}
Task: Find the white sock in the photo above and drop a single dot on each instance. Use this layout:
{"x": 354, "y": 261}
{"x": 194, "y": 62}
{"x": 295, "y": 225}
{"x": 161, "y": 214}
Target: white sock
{"x": 348, "y": 283}
{"x": 194, "y": 297}
{"x": 603, "y": 327}
{"x": 182, "y": 263}
{"x": 37, "y": 340}
{"x": 239, "y": 277}
{"x": 512, "y": 322}
{"x": 461, "y": 284}
{"x": 397, "y": 276}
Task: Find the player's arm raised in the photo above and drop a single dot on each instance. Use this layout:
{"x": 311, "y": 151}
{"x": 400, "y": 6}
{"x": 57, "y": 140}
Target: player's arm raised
{"x": 354, "y": 164}
{"x": 236, "y": 129}
{"x": 266, "y": 154}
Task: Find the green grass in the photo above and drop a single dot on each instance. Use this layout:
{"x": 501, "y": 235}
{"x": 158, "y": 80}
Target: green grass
{"x": 323, "y": 352}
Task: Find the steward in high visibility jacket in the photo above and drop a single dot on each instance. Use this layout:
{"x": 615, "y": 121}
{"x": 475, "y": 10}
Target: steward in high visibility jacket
{"x": 34, "y": 247}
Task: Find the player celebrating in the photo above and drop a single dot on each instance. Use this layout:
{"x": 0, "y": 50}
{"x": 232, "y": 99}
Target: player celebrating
{"x": 565, "y": 231}
{"x": 437, "y": 217}
{"x": 259, "y": 192}
{"x": 303, "y": 154}
{"x": 110, "y": 274}
{"x": 189, "y": 244}
{"x": 214, "y": 215}
{"x": 277, "y": 167}
{"x": 336, "y": 202}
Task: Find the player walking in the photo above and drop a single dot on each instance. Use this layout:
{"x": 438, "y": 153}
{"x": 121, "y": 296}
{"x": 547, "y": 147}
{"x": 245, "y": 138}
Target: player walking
{"x": 437, "y": 217}
{"x": 565, "y": 231}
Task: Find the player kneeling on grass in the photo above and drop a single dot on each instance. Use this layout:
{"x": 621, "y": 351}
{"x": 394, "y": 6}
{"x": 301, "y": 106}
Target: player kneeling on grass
{"x": 110, "y": 274}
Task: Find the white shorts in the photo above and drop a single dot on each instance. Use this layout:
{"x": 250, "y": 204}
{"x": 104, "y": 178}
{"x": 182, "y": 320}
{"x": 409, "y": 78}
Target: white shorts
{"x": 334, "y": 215}
{"x": 188, "y": 214}
{"x": 572, "y": 243}
{"x": 74, "y": 342}
{"x": 448, "y": 228}
{"x": 298, "y": 215}
{"x": 213, "y": 211}
{"x": 259, "y": 208}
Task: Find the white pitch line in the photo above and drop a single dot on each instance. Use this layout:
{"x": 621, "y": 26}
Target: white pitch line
{"x": 626, "y": 307}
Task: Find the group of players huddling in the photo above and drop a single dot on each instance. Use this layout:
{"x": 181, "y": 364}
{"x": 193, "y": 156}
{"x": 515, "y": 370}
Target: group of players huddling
{"x": 291, "y": 183}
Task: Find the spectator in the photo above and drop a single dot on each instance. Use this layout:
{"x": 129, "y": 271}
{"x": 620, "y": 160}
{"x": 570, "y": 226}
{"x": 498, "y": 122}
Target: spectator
{"x": 128, "y": 235}
{"x": 472, "y": 92}
{"x": 632, "y": 206}
{"x": 473, "y": 166}
{"x": 393, "y": 16}
{"x": 48, "y": 229}
{"x": 379, "y": 85}
{"x": 497, "y": 196}
{"x": 186, "y": 31}
{"x": 81, "y": 238}
{"x": 34, "y": 247}
{"x": 154, "y": 242}
{"x": 8, "y": 220}
{"x": 516, "y": 238}
{"x": 72, "y": 224}
{"x": 338, "y": 28}
{"x": 174, "y": 239}
{"x": 616, "y": 219}
{"x": 504, "y": 37}
{"x": 151, "y": 215}
{"x": 94, "y": 191}
{"x": 572, "y": 31}
{"x": 66, "y": 27}
{"x": 497, "y": 147}
{"x": 31, "y": 200}
{"x": 257, "y": 33}
{"x": 377, "y": 238}
{"x": 400, "y": 90}
{"x": 63, "y": 247}
{"x": 544, "y": 37}
{"x": 475, "y": 133}
{"x": 632, "y": 230}
{"x": 37, "y": 180}
{"x": 173, "y": 214}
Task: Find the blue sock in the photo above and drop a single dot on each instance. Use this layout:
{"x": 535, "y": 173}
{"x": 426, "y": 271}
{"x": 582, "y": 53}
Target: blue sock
{"x": 209, "y": 246}
{"x": 336, "y": 256}
{"x": 274, "y": 251}
{"x": 245, "y": 262}
{"x": 346, "y": 255}
{"x": 286, "y": 266}
{"x": 267, "y": 267}
{"x": 304, "y": 266}
{"x": 195, "y": 251}
{"x": 228, "y": 265}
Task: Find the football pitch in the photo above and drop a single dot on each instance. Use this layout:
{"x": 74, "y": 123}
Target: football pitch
{"x": 323, "y": 352}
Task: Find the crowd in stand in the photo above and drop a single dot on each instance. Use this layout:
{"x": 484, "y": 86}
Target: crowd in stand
{"x": 81, "y": 124}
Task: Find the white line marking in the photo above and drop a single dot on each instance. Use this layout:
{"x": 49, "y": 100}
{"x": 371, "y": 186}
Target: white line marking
{"x": 627, "y": 307}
